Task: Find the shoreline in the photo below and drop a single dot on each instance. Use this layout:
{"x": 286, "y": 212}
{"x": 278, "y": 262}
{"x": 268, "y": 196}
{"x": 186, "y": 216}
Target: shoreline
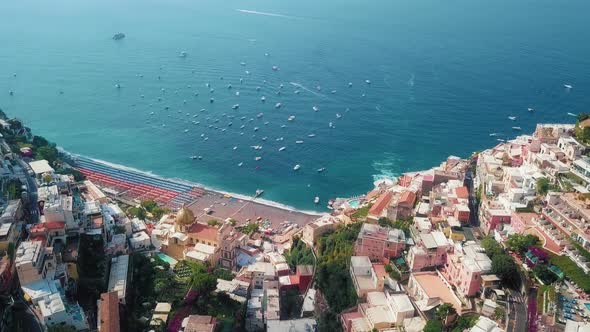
{"x": 246, "y": 198}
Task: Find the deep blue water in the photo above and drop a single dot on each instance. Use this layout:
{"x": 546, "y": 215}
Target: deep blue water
{"x": 444, "y": 75}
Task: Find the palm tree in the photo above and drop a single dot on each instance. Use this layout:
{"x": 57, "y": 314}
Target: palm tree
{"x": 444, "y": 311}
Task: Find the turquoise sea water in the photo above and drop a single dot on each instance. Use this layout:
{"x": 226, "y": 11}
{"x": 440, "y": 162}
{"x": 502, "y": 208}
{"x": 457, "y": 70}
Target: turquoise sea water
{"x": 444, "y": 75}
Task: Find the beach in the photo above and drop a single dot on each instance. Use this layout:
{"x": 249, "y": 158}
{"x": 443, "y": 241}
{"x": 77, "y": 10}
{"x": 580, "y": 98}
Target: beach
{"x": 133, "y": 186}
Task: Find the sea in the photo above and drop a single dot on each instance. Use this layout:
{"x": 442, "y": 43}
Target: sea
{"x": 399, "y": 85}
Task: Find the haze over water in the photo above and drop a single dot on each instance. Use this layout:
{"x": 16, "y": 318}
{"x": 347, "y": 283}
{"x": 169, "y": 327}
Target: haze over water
{"x": 444, "y": 75}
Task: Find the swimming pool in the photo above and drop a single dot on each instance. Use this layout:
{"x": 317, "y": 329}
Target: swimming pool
{"x": 167, "y": 259}
{"x": 587, "y": 304}
{"x": 354, "y": 203}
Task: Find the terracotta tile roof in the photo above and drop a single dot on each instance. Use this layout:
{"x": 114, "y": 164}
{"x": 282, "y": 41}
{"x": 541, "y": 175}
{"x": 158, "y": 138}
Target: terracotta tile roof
{"x": 381, "y": 203}
{"x": 405, "y": 180}
{"x": 462, "y": 192}
{"x": 407, "y": 198}
{"x": 109, "y": 312}
{"x": 372, "y": 194}
{"x": 203, "y": 231}
{"x": 198, "y": 323}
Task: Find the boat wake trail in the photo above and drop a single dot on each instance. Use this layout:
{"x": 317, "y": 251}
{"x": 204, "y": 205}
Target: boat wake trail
{"x": 247, "y": 11}
{"x": 295, "y": 84}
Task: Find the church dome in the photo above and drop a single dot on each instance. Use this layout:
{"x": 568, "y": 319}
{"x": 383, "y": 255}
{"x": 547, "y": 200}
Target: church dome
{"x": 184, "y": 216}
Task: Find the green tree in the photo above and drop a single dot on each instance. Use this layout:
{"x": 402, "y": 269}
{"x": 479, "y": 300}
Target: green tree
{"x": 444, "y": 312}
{"x": 212, "y": 222}
{"x": 149, "y": 205}
{"x": 520, "y": 243}
{"x": 249, "y": 228}
{"x": 464, "y": 322}
{"x": 433, "y": 325}
{"x": 491, "y": 246}
{"x": 543, "y": 186}
{"x": 47, "y": 152}
{"x": 499, "y": 314}
{"x": 504, "y": 267}
{"x": 137, "y": 212}
{"x": 39, "y": 141}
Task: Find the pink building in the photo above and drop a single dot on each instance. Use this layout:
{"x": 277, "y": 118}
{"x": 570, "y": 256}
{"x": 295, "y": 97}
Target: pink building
{"x": 378, "y": 242}
{"x": 430, "y": 251}
{"x": 492, "y": 214}
{"x": 465, "y": 267}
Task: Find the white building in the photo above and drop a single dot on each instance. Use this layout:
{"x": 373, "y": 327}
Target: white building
{"x": 55, "y": 312}
{"x": 34, "y": 262}
{"x": 140, "y": 241}
{"x": 118, "y": 276}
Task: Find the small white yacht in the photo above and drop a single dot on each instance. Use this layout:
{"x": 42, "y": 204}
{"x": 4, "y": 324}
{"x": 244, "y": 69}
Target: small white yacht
{"x": 298, "y": 142}
{"x": 282, "y": 148}
{"x": 240, "y": 164}
{"x": 338, "y": 115}
{"x": 263, "y": 99}
{"x": 493, "y": 134}
{"x": 571, "y": 114}
{"x": 316, "y": 200}
{"x": 367, "y": 81}
{"x": 186, "y": 130}
{"x": 315, "y": 109}
{"x": 259, "y": 115}
{"x": 278, "y": 105}
{"x": 291, "y": 118}
{"x": 516, "y": 128}
{"x": 236, "y": 106}
{"x": 242, "y": 126}
{"x": 183, "y": 54}
{"x": 257, "y": 158}
{"x": 512, "y": 118}
{"x": 321, "y": 169}
{"x": 229, "y": 86}
{"x": 531, "y": 109}
{"x": 255, "y": 128}
{"x": 297, "y": 167}
{"x": 567, "y": 86}
{"x": 350, "y": 84}
{"x": 193, "y": 157}
{"x": 237, "y": 93}
{"x": 311, "y": 135}
{"x": 283, "y": 126}
{"x": 235, "y": 147}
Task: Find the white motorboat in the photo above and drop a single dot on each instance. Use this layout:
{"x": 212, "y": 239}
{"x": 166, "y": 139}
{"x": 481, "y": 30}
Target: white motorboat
{"x": 531, "y": 109}
{"x": 240, "y": 164}
{"x": 315, "y": 109}
{"x": 236, "y": 106}
{"x": 263, "y": 99}
{"x": 367, "y": 81}
{"x": 512, "y": 118}
{"x": 516, "y": 128}
{"x": 291, "y": 118}
{"x": 298, "y": 142}
{"x": 259, "y": 115}
{"x": 311, "y": 135}
{"x": 282, "y": 148}
{"x": 321, "y": 169}
{"x": 257, "y": 158}
{"x": 193, "y": 157}
{"x": 297, "y": 167}
{"x": 316, "y": 200}
{"x": 235, "y": 147}
{"x": 567, "y": 86}
{"x": 278, "y": 105}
